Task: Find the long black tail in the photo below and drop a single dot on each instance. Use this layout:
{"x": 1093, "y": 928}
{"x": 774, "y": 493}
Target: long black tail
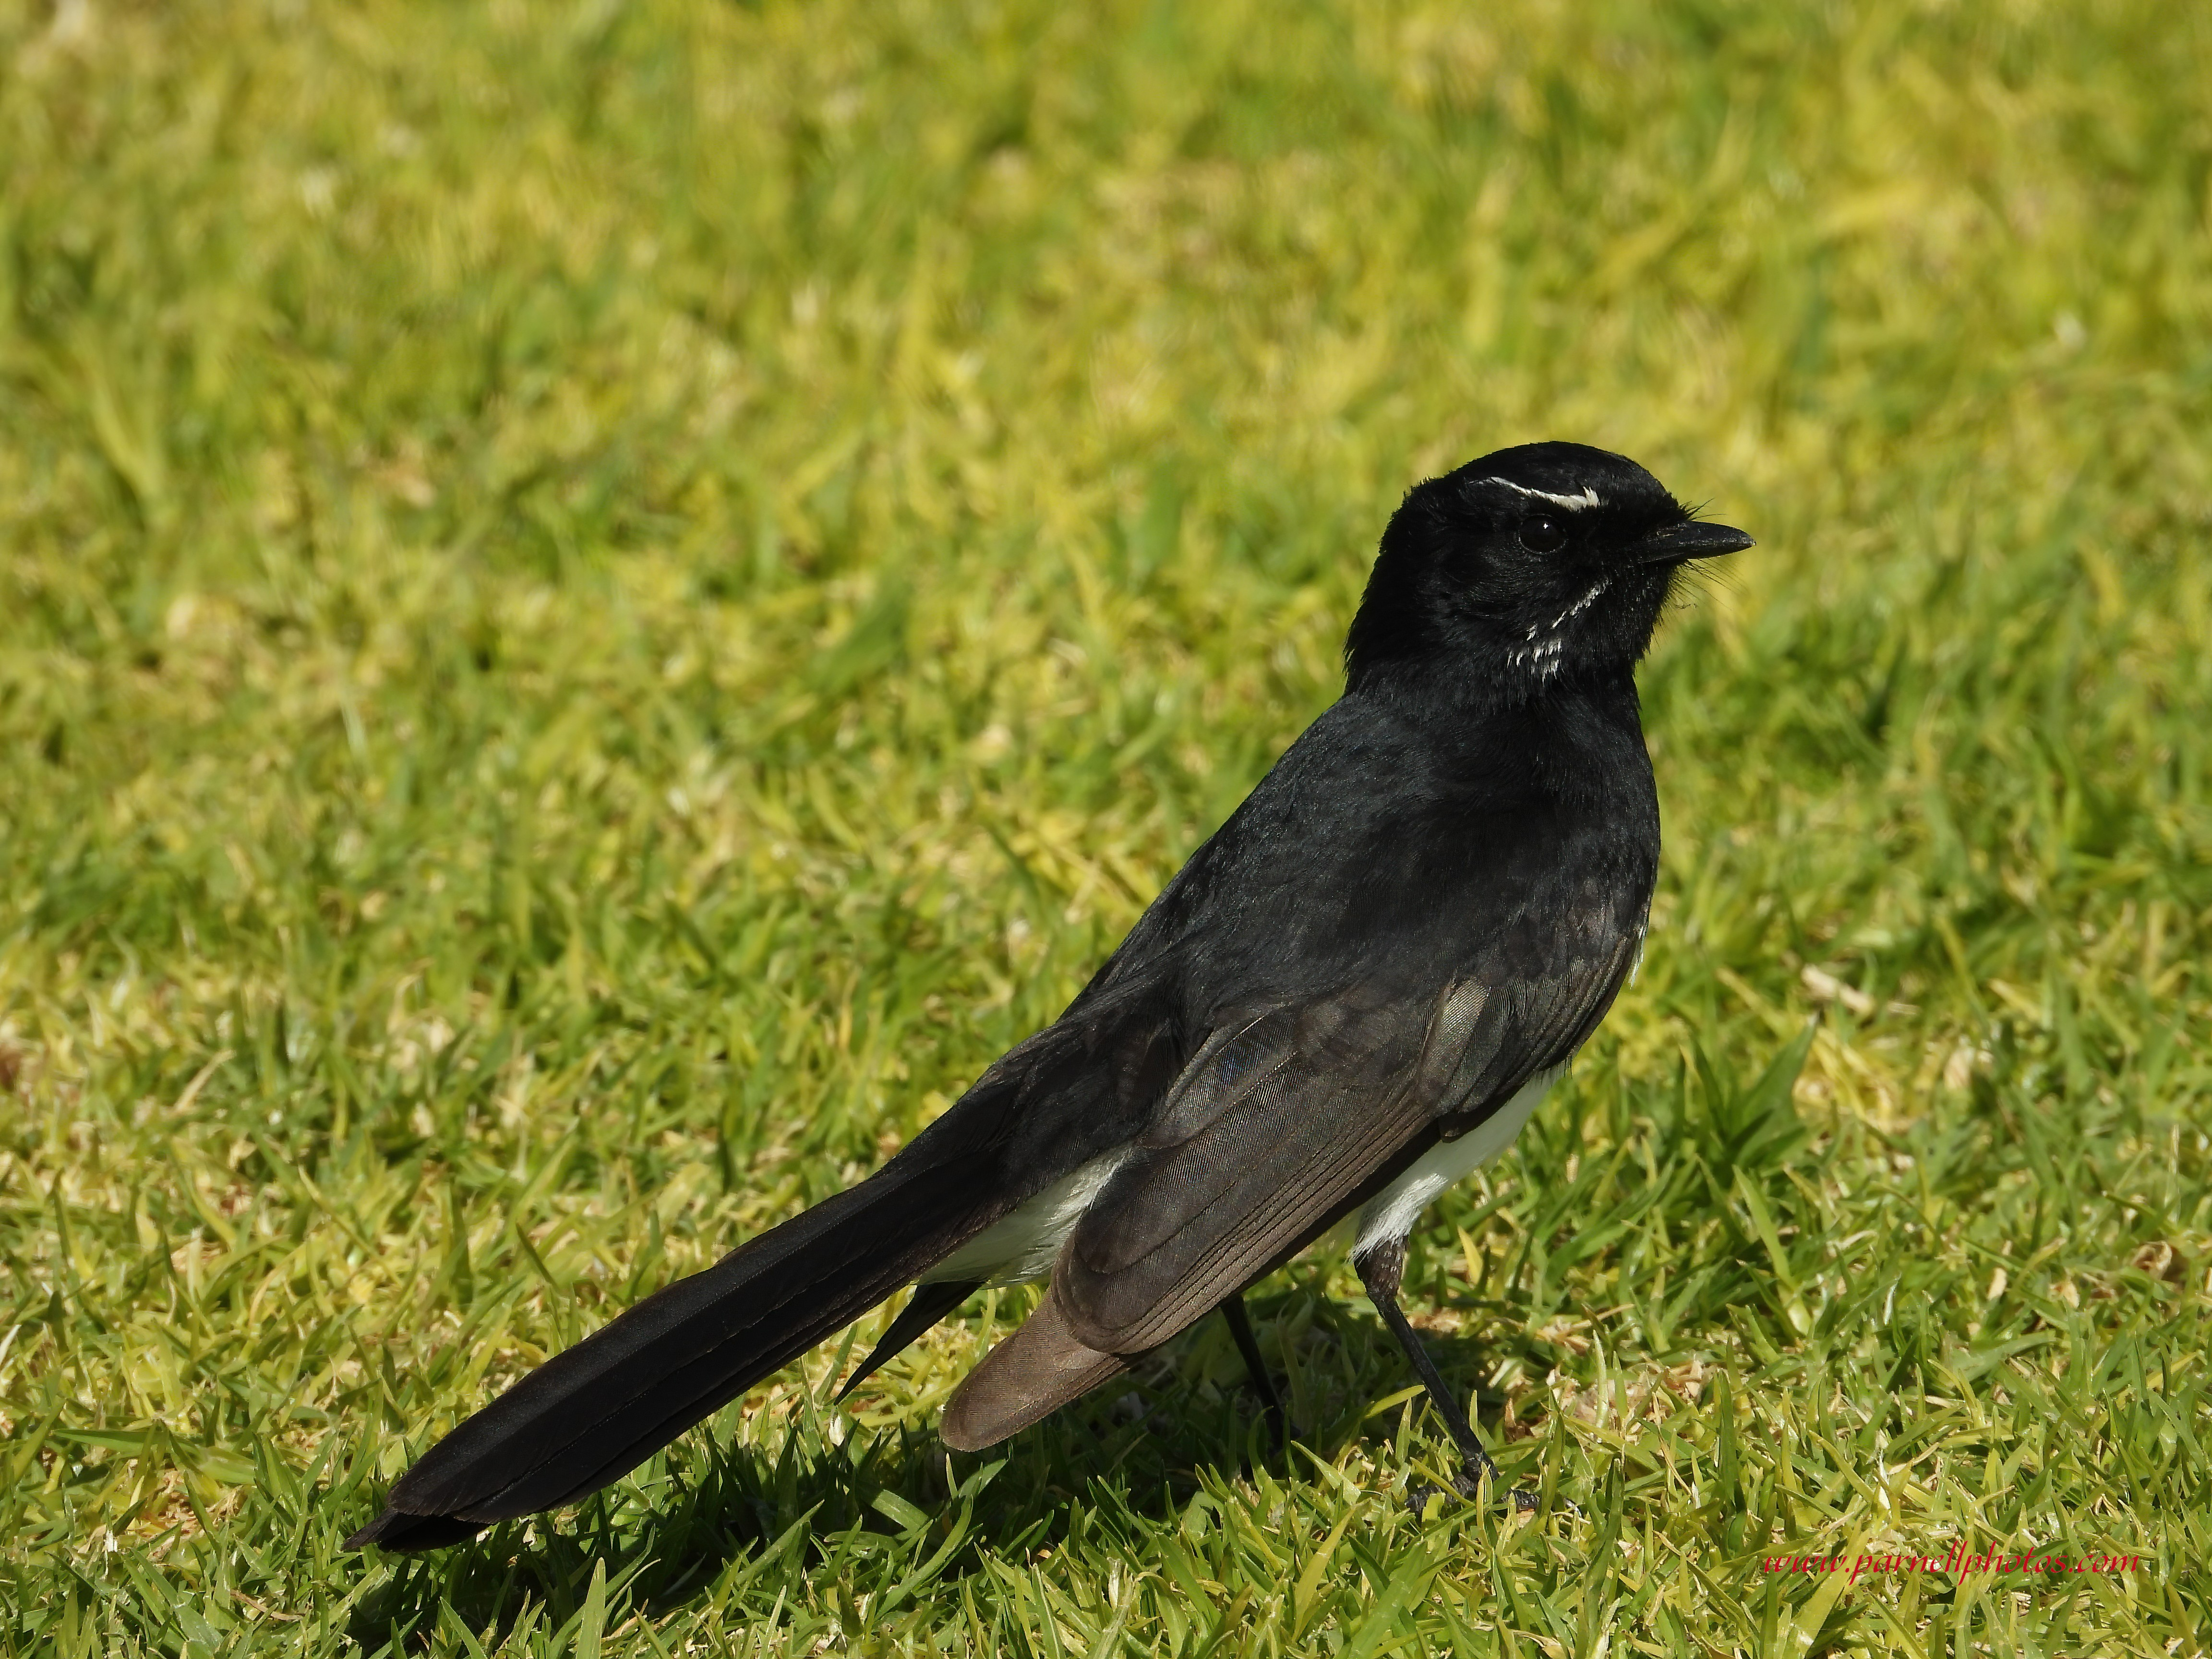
{"x": 591, "y": 1414}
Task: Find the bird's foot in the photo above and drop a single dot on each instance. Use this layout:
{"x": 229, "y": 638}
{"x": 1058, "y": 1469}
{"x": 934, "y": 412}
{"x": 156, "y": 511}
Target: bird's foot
{"x": 1467, "y": 1482}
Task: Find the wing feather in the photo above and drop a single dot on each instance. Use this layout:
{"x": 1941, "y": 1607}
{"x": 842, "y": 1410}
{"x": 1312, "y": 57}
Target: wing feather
{"x": 1272, "y": 1134}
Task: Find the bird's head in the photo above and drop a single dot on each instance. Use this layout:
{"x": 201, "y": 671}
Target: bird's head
{"x": 1537, "y": 564}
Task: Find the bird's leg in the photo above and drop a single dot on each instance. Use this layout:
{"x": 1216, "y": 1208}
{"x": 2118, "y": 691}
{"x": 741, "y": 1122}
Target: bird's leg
{"x": 1240, "y": 1326}
{"x": 1382, "y": 1269}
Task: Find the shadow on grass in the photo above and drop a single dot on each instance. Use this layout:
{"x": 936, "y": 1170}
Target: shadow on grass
{"x": 1186, "y": 1418}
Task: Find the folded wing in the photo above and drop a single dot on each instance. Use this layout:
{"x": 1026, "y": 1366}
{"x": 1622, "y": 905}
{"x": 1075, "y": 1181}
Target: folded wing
{"x": 1284, "y": 1120}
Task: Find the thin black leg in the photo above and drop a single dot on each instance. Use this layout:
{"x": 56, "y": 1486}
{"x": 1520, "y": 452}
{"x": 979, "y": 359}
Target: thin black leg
{"x": 1382, "y": 1269}
{"x": 1240, "y": 1326}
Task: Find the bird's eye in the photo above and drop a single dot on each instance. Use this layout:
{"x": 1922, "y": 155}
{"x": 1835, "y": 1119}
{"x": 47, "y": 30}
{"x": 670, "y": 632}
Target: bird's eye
{"x": 1542, "y": 535}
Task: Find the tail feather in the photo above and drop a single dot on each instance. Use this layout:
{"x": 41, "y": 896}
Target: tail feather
{"x": 594, "y": 1412}
{"x": 932, "y": 1301}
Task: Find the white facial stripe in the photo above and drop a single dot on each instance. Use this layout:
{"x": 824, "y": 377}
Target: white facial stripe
{"x": 1579, "y": 605}
{"x": 1571, "y": 503}
{"x": 1543, "y": 655}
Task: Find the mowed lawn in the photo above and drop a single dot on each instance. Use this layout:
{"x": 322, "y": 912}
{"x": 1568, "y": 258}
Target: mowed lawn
{"x": 601, "y": 603}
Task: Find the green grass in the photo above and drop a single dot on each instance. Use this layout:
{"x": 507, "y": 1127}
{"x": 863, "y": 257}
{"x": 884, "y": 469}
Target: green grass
{"x": 599, "y": 604}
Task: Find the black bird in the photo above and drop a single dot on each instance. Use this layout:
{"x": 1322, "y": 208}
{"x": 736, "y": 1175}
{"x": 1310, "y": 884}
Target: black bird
{"x": 1350, "y": 997}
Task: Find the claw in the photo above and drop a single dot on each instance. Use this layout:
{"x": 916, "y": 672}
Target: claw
{"x": 1467, "y": 1481}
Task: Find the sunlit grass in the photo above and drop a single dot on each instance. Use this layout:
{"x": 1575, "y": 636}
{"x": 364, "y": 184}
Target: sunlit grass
{"x": 603, "y": 603}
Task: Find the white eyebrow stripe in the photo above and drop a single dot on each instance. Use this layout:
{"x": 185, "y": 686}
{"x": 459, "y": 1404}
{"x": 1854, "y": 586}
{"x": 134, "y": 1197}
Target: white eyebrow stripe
{"x": 1572, "y": 503}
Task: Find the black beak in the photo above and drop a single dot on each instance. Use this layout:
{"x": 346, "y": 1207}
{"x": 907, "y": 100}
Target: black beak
{"x": 1677, "y": 543}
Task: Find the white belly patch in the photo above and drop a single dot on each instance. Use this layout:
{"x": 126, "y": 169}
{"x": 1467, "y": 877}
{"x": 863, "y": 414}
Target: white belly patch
{"x": 1391, "y": 1213}
{"x": 1023, "y": 1243}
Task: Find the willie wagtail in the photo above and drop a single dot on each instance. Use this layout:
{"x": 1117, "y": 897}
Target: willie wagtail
{"x": 1348, "y": 998}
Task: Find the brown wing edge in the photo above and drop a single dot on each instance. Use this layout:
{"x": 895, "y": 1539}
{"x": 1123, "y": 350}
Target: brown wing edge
{"x": 1033, "y": 1373}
